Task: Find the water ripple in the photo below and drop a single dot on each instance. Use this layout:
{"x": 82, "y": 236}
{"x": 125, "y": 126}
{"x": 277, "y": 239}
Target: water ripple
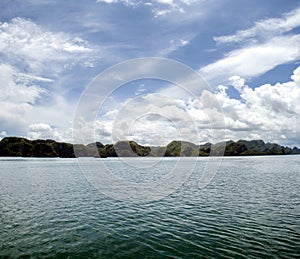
{"x": 249, "y": 210}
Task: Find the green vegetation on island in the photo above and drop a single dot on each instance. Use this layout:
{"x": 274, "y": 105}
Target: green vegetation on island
{"x": 22, "y": 147}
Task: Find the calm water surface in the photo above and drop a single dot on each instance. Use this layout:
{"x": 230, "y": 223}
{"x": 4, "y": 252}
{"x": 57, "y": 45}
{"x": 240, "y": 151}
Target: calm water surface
{"x": 251, "y": 209}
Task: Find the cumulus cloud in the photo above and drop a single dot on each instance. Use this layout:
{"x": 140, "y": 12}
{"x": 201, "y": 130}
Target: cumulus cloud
{"x": 32, "y": 59}
{"x": 269, "y": 112}
{"x": 14, "y": 89}
{"x": 17, "y": 97}
{"x": 23, "y": 113}
{"x": 24, "y": 43}
{"x": 42, "y": 127}
{"x": 40, "y": 130}
{"x": 155, "y": 119}
{"x": 46, "y": 131}
{"x": 237, "y": 82}
{"x": 296, "y": 75}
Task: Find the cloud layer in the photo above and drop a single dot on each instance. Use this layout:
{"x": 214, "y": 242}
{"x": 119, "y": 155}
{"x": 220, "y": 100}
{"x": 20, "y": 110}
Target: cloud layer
{"x": 32, "y": 58}
{"x": 269, "y": 112}
{"x": 47, "y": 60}
{"x": 24, "y": 43}
{"x": 261, "y": 48}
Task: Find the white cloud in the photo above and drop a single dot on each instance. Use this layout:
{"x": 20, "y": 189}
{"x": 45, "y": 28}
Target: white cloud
{"x": 40, "y": 130}
{"x": 32, "y": 78}
{"x": 22, "y": 112}
{"x": 3, "y": 134}
{"x": 153, "y": 119}
{"x": 269, "y": 43}
{"x": 255, "y": 59}
{"x": 158, "y": 7}
{"x": 125, "y": 2}
{"x": 108, "y": 1}
{"x": 237, "y": 82}
{"x": 17, "y": 98}
{"x": 33, "y": 58}
{"x": 174, "y": 45}
{"x": 17, "y": 91}
{"x": 40, "y": 127}
{"x": 24, "y": 43}
{"x": 265, "y": 28}
{"x": 167, "y": 2}
{"x": 178, "y": 43}
{"x": 268, "y": 111}
{"x": 296, "y": 75}
{"x": 45, "y": 131}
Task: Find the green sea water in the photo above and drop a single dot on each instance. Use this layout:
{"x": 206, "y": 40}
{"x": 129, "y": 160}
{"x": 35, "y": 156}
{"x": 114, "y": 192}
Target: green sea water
{"x": 250, "y": 209}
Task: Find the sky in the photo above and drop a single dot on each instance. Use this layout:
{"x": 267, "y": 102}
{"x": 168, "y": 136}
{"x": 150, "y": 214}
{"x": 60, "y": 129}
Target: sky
{"x": 247, "y": 52}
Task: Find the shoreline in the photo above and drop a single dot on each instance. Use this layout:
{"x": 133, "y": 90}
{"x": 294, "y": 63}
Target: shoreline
{"x": 22, "y": 147}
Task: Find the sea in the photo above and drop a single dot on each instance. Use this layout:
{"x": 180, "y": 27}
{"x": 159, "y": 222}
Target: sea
{"x": 230, "y": 207}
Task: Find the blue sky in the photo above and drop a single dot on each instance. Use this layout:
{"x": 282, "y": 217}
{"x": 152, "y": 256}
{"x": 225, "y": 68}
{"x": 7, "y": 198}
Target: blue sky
{"x": 247, "y": 51}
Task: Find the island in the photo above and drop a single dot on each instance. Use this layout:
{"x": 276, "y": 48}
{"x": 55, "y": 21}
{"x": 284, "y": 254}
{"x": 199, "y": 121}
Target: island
{"x": 22, "y": 147}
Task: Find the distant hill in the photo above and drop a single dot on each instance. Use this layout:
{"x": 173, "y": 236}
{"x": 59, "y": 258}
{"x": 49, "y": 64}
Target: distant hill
{"x": 22, "y": 147}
